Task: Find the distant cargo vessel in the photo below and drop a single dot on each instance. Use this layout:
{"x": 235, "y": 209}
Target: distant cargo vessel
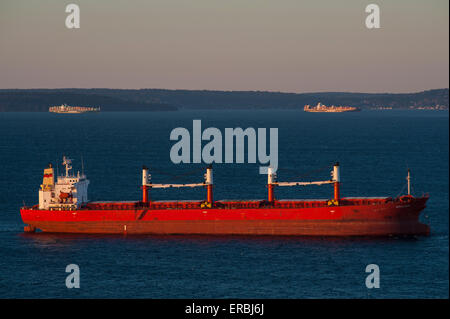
{"x": 64, "y": 208}
{"x": 330, "y": 109}
{"x": 72, "y": 109}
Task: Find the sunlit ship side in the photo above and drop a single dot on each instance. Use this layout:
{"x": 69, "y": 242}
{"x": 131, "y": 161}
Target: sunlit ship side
{"x": 64, "y": 208}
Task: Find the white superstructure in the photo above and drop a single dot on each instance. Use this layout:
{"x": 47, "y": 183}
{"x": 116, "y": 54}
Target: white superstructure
{"x": 69, "y": 191}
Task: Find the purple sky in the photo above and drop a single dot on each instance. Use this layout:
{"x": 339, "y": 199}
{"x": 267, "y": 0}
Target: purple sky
{"x": 282, "y": 45}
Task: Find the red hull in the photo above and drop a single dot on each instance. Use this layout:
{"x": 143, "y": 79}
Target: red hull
{"x": 353, "y": 217}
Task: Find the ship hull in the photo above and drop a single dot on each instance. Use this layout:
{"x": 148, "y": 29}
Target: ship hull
{"x": 279, "y": 228}
{"x": 373, "y": 219}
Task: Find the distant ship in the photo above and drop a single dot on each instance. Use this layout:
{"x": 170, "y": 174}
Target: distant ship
{"x": 330, "y": 109}
{"x": 72, "y": 109}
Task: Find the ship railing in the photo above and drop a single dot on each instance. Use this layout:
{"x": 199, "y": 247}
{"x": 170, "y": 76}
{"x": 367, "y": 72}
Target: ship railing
{"x": 365, "y": 201}
{"x": 233, "y": 204}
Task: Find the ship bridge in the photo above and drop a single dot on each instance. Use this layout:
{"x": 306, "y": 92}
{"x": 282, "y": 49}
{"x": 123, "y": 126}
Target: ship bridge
{"x": 69, "y": 191}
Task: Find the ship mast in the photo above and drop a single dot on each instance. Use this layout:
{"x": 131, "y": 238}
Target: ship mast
{"x": 271, "y": 177}
{"x": 336, "y": 178}
{"x": 209, "y": 184}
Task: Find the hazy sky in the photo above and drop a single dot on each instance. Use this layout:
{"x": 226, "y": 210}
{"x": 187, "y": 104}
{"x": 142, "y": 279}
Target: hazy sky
{"x": 275, "y": 45}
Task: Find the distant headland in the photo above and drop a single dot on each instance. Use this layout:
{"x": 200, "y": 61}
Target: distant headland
{"x": 113, "y": 100}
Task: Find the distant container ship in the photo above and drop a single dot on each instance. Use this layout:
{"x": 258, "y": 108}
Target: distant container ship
{"x": 64, "y": 208}
{"x": 72, "y": 109}
{"x": 319, "y": 108}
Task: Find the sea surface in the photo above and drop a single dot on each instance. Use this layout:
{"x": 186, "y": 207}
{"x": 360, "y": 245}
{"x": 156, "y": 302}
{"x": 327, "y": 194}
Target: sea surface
{"x": 374, "y": 148}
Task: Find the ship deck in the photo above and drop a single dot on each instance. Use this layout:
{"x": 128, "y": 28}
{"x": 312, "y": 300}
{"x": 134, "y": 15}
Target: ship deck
{"x": 234, "y": 204}
{"x": 240, "y": 204}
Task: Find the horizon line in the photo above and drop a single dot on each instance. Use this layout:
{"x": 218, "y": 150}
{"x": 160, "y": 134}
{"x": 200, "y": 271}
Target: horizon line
{"x": 221, "y": 90}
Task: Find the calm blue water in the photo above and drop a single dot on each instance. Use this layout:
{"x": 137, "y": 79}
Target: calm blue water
{"x": 374, "y": 149}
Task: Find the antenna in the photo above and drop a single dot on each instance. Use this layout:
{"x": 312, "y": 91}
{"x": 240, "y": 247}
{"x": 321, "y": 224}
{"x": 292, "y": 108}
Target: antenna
{"x": 82, "y": 165}
{"x": 408, "y": 178}
{"x": 66, "y": 162}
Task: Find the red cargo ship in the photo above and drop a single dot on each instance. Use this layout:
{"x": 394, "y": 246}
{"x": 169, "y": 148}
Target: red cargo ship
{"x": 64, "y": 208}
